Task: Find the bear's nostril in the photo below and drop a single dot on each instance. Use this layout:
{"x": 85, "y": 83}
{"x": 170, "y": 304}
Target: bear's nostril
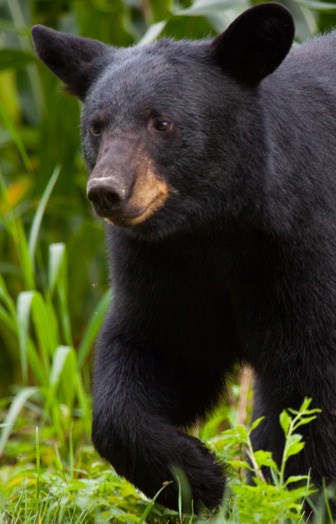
{"x": 104, "y": 198}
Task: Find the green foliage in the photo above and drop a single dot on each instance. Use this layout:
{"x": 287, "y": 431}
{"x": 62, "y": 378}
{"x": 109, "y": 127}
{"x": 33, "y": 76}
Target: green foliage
{"x": 40, "y": 323}
{"x": 271, "y": 497}
{"x": 39, "y": 130}
{"x": 48, "y": 238}
{"x": 73, "y": 485}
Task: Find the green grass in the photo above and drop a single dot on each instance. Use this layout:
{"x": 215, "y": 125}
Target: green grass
{"x": 54, "y": 290}
{"x": 47, "y": 484}
{"x": 68, "y": 483}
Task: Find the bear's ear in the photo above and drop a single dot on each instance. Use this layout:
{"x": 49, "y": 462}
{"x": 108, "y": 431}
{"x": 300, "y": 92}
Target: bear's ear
{"x": 75, "y": 60}
{"x": 255, "y": 44}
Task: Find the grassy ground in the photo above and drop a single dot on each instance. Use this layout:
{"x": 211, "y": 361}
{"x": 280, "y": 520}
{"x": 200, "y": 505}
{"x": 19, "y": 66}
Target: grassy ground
{"x": 54, "y": 290}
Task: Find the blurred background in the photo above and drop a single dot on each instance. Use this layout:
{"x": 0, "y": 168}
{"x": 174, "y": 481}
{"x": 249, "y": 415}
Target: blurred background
{"x": 53, "y": 280}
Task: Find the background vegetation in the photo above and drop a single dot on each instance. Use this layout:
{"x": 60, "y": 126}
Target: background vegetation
{"x": 49, "y": 239}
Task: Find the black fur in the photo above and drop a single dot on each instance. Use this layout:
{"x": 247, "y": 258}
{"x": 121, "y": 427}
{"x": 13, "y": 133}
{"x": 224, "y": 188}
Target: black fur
{"x": 237, "y": 265}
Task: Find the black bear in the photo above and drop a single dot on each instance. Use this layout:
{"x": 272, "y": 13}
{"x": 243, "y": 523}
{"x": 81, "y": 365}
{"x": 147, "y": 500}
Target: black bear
{"x": 213, "y": 163}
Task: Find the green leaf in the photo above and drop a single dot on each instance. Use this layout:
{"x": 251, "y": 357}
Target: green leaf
{"x": 13, "y": 412}
{"x": 242, "y": 432}
{"x": 56, "y": 259}
{"x": 35, "y": 228}
{"x": 297, "y": 478}
{"x": 6, "y": 299}
{"x": 207, "y": 7}
{"x": 93, "y": 327}
{"x": 149, "y": 507}
{"x": 304, "y": 406}
{"x": 31, "y": 304}
{"x": 8, "y": 320}
{"x": 61, "y": 354}
{"x": 256, "y": 423}
{"x": 58, "y": 283}
{"x": 293, "y": 445}
{"x": 152, "y": 32}
{"x": 14, "y": 58}
{"x": 322, "y": 7}
{"x": 24, "y": 304}
{"x": 44, "y": 324}
{"x": 264, "y": 458}
{"x": 304, "y": 421}
{"x": 285, "y": 421}
{"x": 240, "y": 464}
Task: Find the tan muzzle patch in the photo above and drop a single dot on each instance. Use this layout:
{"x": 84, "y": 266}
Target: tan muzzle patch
{"x": 148, "y": 195}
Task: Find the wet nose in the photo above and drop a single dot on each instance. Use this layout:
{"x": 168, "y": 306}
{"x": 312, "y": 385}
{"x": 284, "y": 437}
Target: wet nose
{"x": 106, "y": 195}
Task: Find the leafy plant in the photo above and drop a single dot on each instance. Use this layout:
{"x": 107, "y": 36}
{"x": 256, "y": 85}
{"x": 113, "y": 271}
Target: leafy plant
{"x": 79, "y": 487}
{"x": 271, "y": 497}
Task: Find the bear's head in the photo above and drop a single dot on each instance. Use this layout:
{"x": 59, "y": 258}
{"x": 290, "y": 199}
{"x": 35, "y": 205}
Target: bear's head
{"x": 166, "y": 126}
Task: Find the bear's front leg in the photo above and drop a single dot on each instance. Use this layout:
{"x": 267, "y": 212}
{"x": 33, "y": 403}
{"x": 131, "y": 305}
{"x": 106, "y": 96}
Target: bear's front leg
{"x": 133, "y": 428}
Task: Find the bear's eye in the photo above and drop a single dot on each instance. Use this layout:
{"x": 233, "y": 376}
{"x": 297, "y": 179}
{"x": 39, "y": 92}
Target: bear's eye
{"x": 96, "y": 129}
{"x": 162, "y": 125}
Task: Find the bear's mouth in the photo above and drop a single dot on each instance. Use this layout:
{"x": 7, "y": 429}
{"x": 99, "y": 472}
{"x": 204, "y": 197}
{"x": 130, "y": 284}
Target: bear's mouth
{"x": 129, "y": 215}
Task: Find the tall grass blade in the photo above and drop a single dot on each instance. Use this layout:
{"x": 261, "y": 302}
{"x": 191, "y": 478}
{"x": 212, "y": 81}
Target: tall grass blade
{"x": 152, "y": 32}
{"x": 13, "y": 412}
{"x": 93, "y": 328}
{"x": 7, "y": 311}
{"x": 45, "y": 330}
{"x": 323, "y": 7}
{"x": 30, "y": 304}
{"x": 38, "y": 464}
{"x": 57, "y": 282}
{"x": 35, "y": 228}
{"x": 56, "y": 258}
{"x": 25, "y": 260}
{"x": 6, "y": 298}
{"x": 149, "y": 507}
{"x": 24, "y": 304}
{"x": 60, "y": 357}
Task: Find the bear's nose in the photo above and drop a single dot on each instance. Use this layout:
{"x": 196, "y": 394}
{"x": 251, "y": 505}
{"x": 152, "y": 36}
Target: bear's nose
{"x": 106, "y": 195}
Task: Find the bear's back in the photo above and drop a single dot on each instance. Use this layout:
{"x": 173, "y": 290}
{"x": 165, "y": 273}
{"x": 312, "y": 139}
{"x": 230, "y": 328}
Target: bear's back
{"x": 309, "y": 65}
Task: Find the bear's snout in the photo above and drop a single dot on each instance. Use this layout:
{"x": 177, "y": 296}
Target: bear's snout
{"x": 124, "y": 187}
{"x": 106, "y": 195}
